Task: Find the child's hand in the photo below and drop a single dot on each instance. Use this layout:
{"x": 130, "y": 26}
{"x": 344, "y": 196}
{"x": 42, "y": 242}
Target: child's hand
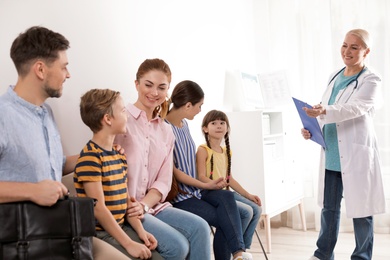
{"x": 149, "y": 240}
{"x": 138, "y": 250}
{"x": 216, "y": 184}
{"x": 255, "y": 199}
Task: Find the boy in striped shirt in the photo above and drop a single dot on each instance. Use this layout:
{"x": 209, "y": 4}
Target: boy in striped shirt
{"x": 101, "y": 173}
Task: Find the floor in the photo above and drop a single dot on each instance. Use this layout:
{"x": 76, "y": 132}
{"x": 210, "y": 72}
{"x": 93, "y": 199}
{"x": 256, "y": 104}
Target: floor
{"x": 289, "y": 244}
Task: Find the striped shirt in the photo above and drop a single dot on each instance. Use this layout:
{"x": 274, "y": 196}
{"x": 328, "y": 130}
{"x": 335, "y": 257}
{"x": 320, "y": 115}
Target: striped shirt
{"x": 184, "y": 158}
{"x": 108, "y": 167}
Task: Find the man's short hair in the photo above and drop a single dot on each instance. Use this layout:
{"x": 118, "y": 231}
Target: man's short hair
{"x": 36, "y": 43}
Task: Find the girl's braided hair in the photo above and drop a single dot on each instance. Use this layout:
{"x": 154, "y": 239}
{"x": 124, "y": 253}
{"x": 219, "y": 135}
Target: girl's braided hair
{"x": 212, "y": 116}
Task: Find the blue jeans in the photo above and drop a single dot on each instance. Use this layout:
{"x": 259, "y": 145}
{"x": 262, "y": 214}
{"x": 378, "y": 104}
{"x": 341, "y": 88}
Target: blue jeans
{"x": 219, "y": 209}
{"x": 250, "y": 214}
{"x": 180, "y": 234}
{"x": 330, "y": 223}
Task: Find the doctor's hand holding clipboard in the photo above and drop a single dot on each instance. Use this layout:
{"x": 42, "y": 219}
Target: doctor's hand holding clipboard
{"x": 308, "y": 116}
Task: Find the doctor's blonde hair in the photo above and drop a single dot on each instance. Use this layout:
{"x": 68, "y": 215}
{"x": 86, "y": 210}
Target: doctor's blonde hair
{"x": 363, "y": 35}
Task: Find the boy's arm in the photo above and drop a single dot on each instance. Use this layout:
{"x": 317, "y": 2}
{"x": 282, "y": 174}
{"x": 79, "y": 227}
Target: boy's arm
{"x": 149, "y": 240}
{"x": 109, "y": 224}
{"x": 134, "y": 220}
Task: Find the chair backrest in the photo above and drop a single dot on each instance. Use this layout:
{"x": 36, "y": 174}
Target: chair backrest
{"x": 67, "y": 180}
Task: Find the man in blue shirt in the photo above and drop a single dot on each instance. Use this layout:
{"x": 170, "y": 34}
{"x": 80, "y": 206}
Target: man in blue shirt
{"x": 31, "y": 158}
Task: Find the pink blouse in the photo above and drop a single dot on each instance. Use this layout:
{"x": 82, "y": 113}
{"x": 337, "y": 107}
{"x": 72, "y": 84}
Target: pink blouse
{"x": 149, "y": 150}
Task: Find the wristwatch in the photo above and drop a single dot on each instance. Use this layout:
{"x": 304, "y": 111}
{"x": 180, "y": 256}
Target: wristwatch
{"x": 145, "y": 207}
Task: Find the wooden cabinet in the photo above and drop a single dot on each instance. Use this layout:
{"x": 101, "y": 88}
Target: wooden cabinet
{"x": 260, "y": 163}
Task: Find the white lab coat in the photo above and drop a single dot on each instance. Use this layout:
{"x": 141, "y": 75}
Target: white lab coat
{"x": 353, "y": 114}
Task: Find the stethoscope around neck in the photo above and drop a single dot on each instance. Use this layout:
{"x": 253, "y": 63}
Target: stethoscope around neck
{"x": 352, "y": 80}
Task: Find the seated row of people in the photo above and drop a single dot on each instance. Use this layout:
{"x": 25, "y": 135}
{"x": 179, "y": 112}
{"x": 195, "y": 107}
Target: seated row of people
{"x": 130, "y": 184}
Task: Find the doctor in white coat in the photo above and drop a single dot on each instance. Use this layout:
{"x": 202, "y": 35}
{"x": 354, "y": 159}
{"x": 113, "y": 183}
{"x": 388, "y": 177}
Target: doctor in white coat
{"x": 350, "y": 164}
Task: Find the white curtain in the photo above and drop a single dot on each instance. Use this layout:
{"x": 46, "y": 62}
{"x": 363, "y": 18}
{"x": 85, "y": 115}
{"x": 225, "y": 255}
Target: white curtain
{"x": 304, "y": 38}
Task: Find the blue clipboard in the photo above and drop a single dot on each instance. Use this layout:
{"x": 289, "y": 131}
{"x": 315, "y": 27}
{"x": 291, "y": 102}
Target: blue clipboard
{"x": 310, "y": 123}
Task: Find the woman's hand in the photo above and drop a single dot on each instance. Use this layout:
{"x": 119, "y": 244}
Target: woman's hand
{"x": 315, "y": 111}
{"x": 134, "y": 208}
{"x": 119, "y": 148}
{"x": 305, "y": 133}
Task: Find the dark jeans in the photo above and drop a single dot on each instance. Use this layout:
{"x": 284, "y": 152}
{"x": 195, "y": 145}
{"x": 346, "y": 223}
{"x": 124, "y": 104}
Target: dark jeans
{"x": 219, "y": 209}
{"x": 330, "y": 223}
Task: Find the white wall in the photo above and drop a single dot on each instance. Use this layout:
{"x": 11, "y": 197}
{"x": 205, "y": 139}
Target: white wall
{"x": 200, "y": 40}
{"x": 109, "y": 39}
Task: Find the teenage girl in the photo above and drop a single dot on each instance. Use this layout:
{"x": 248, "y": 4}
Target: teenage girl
{"x": 207, "y": 200}
{"x": 214, "y": 161}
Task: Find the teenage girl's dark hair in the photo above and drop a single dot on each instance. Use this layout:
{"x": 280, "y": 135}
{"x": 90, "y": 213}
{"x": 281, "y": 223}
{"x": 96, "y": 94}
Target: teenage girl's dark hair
{"x": 36, "y": 43}
{"x": 159, "y": 65}
{"x": 184, "y": 92}
{"x": 210, "y": 117}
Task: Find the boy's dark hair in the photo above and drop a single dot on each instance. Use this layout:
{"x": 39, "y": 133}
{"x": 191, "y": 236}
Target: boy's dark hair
{"x": 95, "y": 104}
{"x": 36, "y": 43}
